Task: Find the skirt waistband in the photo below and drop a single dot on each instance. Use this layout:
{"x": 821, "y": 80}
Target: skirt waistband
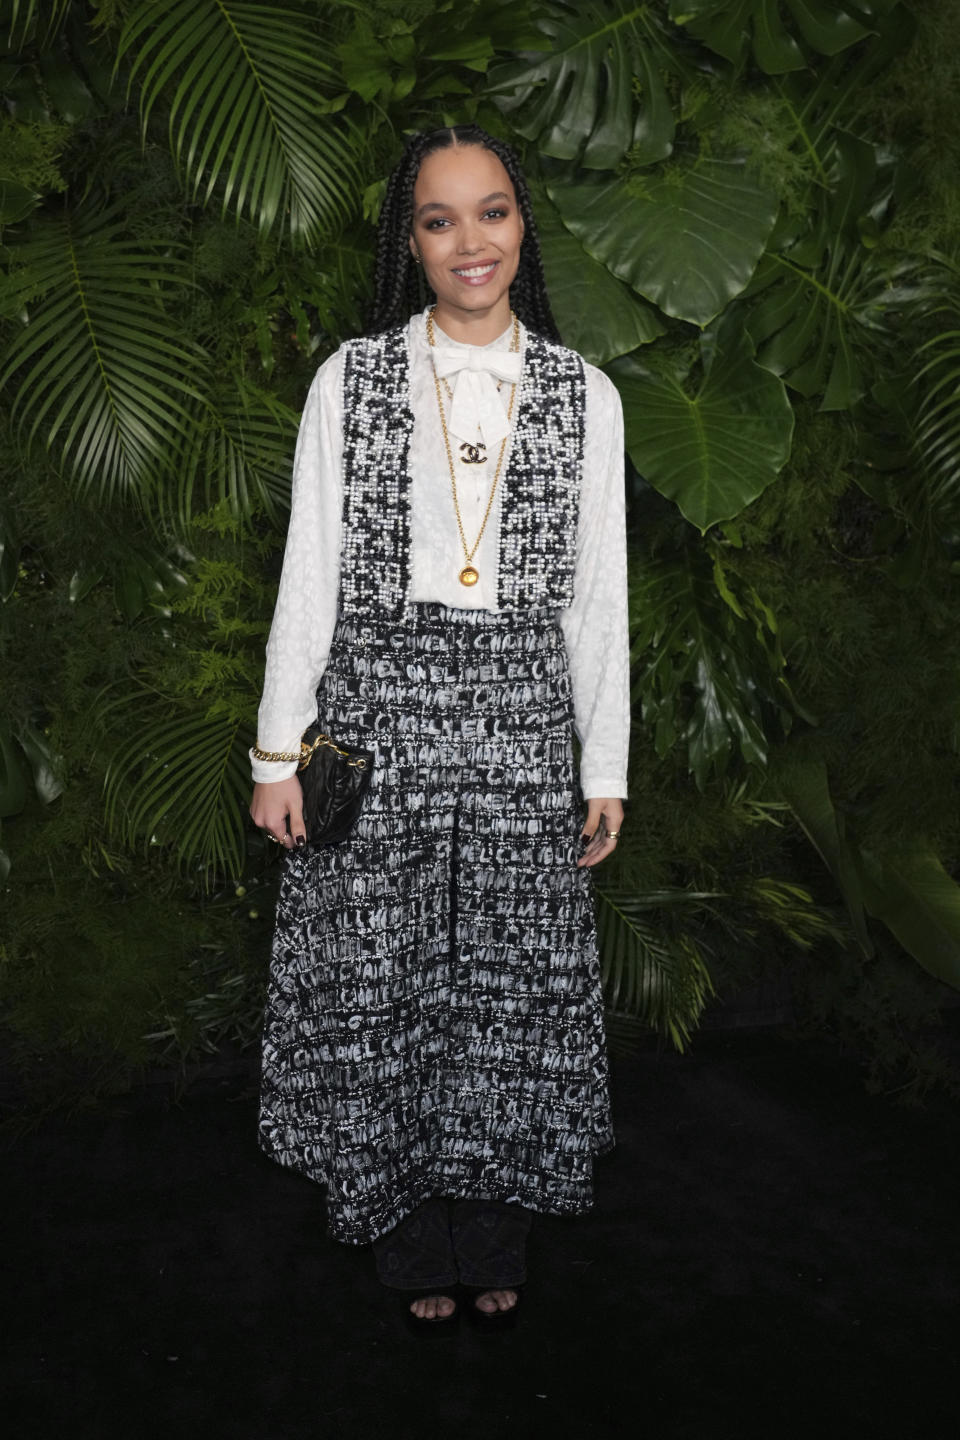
{"x": 527, "y": 629}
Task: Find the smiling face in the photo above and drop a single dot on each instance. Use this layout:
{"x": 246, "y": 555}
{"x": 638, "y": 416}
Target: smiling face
{"x": 467, "y": 230}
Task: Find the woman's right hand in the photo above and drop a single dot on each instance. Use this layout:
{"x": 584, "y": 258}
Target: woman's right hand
{"x": 277, "y": 808}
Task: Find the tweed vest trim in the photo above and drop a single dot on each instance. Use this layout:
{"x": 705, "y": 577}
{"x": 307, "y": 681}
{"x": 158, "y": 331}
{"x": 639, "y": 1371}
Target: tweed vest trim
{"x": 540, "y": 500}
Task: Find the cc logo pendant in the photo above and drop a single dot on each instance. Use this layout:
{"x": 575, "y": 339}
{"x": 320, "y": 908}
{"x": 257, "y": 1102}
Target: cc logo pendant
{"x": 469, "y": 576}
{"x": 473, "y": 456}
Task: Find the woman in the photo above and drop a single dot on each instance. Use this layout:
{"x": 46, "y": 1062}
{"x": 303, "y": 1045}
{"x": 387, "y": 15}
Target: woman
{"x": 453, "y": 598}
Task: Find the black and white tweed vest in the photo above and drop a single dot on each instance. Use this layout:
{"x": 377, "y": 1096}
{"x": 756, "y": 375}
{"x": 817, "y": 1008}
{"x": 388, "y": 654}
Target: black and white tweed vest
{"x": 540, "y": 499}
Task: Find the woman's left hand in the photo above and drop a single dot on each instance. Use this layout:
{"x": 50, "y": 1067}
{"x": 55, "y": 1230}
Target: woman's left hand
{"x": 600, "y": 830}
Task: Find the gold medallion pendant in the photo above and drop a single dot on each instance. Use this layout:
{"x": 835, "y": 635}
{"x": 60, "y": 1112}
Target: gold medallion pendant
{"x": 469, "y": 575}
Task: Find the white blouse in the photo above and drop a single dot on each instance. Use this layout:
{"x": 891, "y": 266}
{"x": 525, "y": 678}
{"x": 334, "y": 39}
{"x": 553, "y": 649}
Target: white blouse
{"x": 594, "y": 625}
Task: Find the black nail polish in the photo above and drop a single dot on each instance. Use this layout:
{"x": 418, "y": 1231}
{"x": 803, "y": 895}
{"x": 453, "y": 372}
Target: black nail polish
{"x": 301, "y": 839}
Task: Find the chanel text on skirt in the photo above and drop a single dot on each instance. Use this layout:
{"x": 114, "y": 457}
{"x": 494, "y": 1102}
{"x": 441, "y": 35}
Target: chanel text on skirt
{"x": 434, "y": 1023}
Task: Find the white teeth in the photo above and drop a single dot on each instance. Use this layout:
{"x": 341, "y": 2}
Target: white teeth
{"x": 476, "y": 270}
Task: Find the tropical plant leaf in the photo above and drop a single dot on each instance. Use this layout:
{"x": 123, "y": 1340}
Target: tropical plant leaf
{"x": 101, "y": 369}
{"x": 27, "y": 743}
{"x": 574, "y": 95}
{"x": 240, "y": 451}
{"x": 919, "y": 903}
{"x": 792, "y": 910}
{"x": 13, "y": 783}
{"x": 660, "y": 978}
{"x": 20, "y": 17}
{"x": 379, "y": 64}
{"x": 822, "y": 295}
{"x": 688, "y": 239}
{"x": 935, "y": 433}
{"x": 144, "y": 578}
{"x": 910, "y": 892}
{"x": 818, "y": 105}
{"x": 732, "y": 28}
{"x": 16, "y": 201}
{"x": 707, "y": 666}
{"x": 806, "y": 788}
{"x": 908, "y": 429}
{"x": 181, "y": 782}
{"x": 596, "y": 313}
{"x": 9, "y": 553}
{"x": 47, "y": 766}
{"x": 715, "y": 450}
{"x": 244, "y": 82}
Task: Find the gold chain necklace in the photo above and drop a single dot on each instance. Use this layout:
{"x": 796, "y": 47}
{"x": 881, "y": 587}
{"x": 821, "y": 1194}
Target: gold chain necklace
{"x": 469, "y": 575}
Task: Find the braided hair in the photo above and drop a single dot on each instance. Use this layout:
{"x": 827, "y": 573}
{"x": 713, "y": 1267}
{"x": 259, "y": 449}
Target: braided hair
{"x": 399, "y": 289}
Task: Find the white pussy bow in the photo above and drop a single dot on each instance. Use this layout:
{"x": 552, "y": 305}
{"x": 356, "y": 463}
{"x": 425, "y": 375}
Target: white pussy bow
{"x": 476, "y": 401}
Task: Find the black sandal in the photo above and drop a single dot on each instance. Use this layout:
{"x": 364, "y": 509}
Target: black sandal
{"x": 423, "y": 1325}
{"x": 490, "y": 1321}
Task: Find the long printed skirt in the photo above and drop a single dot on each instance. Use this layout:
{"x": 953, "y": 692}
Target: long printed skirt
{"x": 434, "y": 1023}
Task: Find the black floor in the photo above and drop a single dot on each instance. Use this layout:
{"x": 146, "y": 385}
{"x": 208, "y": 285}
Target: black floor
{"x": 773, "y": 1253}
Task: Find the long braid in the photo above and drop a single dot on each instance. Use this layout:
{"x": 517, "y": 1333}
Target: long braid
{"x": 397, "y": 289}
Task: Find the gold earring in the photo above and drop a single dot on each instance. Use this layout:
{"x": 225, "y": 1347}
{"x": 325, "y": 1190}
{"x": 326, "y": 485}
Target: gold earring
{"x": 416, "y": 257}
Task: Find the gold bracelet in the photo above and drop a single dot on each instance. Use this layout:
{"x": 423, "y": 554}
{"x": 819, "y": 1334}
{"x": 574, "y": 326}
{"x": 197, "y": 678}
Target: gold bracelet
{"x": 259, "y": 754}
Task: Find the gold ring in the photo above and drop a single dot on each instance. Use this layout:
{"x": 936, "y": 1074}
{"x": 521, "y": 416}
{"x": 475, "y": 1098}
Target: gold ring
{"x": 269, "y": 835}
{"x": 613, "y": 834}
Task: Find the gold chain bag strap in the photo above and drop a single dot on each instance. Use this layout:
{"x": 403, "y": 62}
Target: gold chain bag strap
{"x": 334, "y": 782}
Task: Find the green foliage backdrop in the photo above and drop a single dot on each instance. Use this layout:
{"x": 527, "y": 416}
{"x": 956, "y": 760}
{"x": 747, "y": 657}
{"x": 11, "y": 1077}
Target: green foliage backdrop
{"x": 748, "y": 217}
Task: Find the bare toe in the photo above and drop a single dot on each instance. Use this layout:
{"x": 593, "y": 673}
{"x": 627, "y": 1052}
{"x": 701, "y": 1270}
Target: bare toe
{"x": 433, "y": 1307}
{"x": 493, "y": 1300}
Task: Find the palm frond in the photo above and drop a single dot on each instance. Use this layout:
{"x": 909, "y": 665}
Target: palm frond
{"x": 936, "y": 438}
{"x": 910, "y": 424}
{"x": 792, "y": 910}
{"x": 22, "y": 15}
{"x": 239, "y": 452}
{"x": 245, "y": 84}
{"x": 181, "y": 782}
{"x": 649, "y": 973}
{"x": 100, "y": 367}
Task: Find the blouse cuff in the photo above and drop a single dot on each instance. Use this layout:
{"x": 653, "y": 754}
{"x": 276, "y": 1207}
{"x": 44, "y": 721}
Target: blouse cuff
{"x": 603, "y": 787}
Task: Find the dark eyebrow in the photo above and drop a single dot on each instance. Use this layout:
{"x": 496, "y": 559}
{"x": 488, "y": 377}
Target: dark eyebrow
{"x": 433, "y": 205}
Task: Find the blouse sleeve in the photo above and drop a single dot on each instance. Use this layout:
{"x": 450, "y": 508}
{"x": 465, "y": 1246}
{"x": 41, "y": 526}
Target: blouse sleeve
{"x": 306, "y": 611}
{"x": 595, "y": 625}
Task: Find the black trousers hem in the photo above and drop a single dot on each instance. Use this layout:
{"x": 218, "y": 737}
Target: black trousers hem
{"x": 479, "y": 1243}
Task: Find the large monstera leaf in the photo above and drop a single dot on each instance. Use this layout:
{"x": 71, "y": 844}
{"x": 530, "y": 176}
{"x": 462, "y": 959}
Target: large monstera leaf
{"x": 714, "y": 448}
{"x": 688, "y": 239}
{"x": 707, "y": 666}
{"x": 824, "y": 300}
{"x": 596, "y": 313}
{"x": 244, "y": 82}
{"x": 818, "y": 106}
{"x": 575, "y": 96}
{"x": 99, "y": 367}
{"x": 731, "y": 29}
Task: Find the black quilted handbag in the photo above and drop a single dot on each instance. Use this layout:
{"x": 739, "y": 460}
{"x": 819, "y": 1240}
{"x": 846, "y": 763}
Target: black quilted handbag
{"x": 334, "y": 783}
